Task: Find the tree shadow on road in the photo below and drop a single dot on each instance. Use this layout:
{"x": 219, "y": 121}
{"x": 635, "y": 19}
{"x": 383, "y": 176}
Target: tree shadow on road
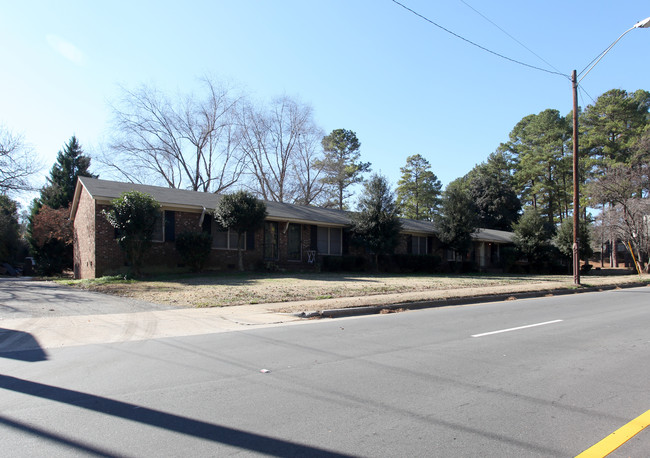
{"x": 174, "y": 423}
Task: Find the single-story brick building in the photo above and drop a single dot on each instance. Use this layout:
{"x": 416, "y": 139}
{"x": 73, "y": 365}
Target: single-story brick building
{"x": 293, "y": 236}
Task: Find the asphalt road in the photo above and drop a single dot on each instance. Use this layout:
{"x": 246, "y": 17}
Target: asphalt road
{"x": 538, "y": 377}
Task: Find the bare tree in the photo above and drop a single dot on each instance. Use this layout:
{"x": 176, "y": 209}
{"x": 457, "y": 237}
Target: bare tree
{"x": 189, "y": 143}
{"x": 627, "y": 217}
{"x": 18, "y": 163}
{"x": 308, "y": 170}
{"x": 279, "y": 146}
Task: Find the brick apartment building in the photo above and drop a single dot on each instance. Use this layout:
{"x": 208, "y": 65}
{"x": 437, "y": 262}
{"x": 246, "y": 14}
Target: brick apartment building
{"x": 293, "y": 236}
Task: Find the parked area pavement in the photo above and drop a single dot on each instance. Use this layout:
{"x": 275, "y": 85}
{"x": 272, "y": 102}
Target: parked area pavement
{"x": 44, "y": 314}
{"x": 41, "y": 314}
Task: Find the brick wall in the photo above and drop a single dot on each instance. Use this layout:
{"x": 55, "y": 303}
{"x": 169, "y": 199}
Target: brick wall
{"x": 109, "y": 257}
{"x": 97, "y": 253}
{"x": 83, "y": 237}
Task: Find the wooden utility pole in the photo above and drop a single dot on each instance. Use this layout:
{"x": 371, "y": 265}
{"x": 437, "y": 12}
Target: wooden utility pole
{"x": 576, "y": 202}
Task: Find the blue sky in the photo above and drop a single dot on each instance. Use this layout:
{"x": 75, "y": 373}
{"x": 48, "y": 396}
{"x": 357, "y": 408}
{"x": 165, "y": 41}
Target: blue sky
{"x": 403, "y": 85}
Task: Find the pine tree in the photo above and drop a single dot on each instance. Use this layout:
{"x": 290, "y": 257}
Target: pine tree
{"x": 457, "y": 219}
{"x": 418, "y": 191}
{"x": 70, "y": 164}
{"x": 376, "y": 225}
{"x": 341, "y": 164}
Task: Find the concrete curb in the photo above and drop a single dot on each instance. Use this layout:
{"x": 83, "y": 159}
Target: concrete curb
{"x": 375, "y": 309}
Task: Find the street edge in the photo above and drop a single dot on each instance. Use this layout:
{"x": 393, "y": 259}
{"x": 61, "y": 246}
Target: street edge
{"x": 436, "y": 303}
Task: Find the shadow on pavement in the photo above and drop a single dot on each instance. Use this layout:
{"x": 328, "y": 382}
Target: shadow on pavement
{"x": 20, "y": 345}
{"x": 176, "y": 423}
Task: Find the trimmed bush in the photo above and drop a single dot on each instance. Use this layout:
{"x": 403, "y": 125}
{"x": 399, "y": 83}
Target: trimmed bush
{"x": 343, "y": 264}
{"x": 194, "y": 249}
{"x": 411, "y": 263}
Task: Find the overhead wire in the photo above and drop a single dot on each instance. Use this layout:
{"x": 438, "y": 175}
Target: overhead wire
{"x": 478, "y": 45}
{"x": 581, "y": 88}
{"x": 510, "y": 36}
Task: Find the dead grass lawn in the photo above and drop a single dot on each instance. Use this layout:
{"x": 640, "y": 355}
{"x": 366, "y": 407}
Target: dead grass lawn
{"x": 218, "y": 290}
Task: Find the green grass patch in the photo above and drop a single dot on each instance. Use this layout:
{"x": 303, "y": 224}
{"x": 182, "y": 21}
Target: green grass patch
{"x": 108, "y": 280}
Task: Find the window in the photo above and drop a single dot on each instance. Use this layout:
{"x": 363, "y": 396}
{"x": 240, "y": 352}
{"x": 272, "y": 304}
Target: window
{"x": 329, "y": 240}
{"x": 226, "y": 240}
{"x": 164, "y": 228}
{"x": 418, "y": 245}
{"x": 452, "y": 255}
{"x": 294, "y": 242}
{"x": 158, "y": 232}
{"x": 271, "y": 240}
{"x": 170, "y": 226}
{"x": 323, "y": 241}
{"x": 336, "y": 238}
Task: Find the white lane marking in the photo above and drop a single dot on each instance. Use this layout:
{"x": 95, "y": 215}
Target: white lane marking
{"x": 516, "y": 329}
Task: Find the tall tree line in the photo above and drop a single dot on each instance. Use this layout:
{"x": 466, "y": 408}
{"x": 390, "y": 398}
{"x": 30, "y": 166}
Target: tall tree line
{"x": 220, "y": 140}
{"x": 612, "y": 132}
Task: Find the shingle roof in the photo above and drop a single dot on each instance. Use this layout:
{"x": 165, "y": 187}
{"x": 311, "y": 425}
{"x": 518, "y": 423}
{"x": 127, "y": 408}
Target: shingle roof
{"x": 492, "y": 235}
{"x": 413, "y": 225}
{"x": 104, "y": 190}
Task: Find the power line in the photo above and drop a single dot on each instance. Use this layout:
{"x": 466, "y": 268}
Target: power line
{"x": 477, "y": 45}
{"x": 510, "y": 36}
{"x": 588, "y": 95}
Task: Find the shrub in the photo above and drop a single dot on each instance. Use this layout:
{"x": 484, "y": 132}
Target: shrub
{"x": 343, "y": 263}
{"x": 508, "y": 258}
{"x": 467, "y": 267}
{"x": 406, "y": 263}
{"x": 51, "y": 258}
{"x": 194, "y": 249}
{"x": 586, "y": 268}
{"x": 51, "y": 240}
{"x": 134, "y": 215}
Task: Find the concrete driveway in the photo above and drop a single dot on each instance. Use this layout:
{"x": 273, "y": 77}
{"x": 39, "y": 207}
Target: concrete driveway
{"x": 40, "y": 315}
{"x": 23, "y": 298}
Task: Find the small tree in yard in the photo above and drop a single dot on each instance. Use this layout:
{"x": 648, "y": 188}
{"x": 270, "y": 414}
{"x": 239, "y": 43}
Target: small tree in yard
{"x": 563, "y": 239}
{"x": 194, "y": 248}
{"x": 532, "y": 236}
{"x": 240, "y": 212}
{"x": 9, "y": 230}
{"x": 134, "y": 215}
{"x": 377, "y": 225}
{"x": 51, "y": 239}
{"x": 457, "y": 219}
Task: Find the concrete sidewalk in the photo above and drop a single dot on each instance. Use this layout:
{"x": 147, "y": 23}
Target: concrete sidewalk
{"x": 61, "y": 331}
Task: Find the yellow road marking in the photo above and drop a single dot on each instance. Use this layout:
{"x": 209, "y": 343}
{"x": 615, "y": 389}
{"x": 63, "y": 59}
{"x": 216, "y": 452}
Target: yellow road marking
{"x": 617, "y": 438}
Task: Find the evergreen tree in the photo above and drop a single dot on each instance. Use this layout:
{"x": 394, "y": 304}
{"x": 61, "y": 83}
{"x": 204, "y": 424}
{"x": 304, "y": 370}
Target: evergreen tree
{"x": 9, "y": 233}
{"x": 418, "y": 191}
{"x": 563, "y": 239}
{"x": 456, "y": 221}
{"x": 533, "y": 236}
{"x": 540, "y": 146}
{"x": 376, "y": 225}
{"x": 611, "y": 126}
{"x": 70, "y": 164}
{"x": 490, "y": 186}
{"x": 341, "y": 165}
{"x": 240, "y": 212}
{"x": 134, "y": 215}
